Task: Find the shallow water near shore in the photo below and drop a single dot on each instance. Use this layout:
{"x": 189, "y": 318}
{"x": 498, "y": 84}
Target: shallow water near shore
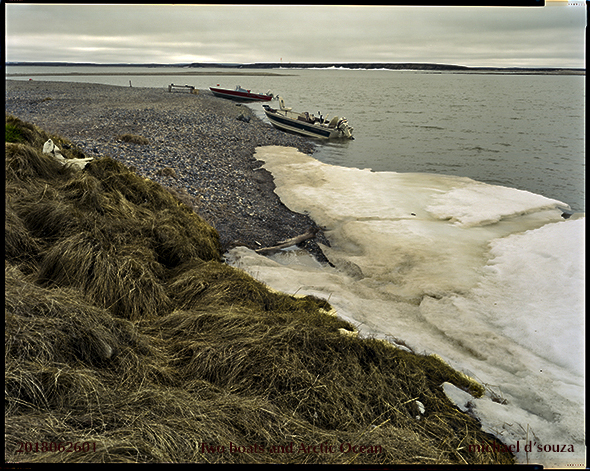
{"x": 488, "y": 277}
{"x": 521, "y": 131}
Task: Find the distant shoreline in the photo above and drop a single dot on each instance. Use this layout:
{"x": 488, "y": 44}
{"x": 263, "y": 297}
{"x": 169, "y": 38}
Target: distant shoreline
{"x": 421, "y": 67}
{"x": 76, "y": 74}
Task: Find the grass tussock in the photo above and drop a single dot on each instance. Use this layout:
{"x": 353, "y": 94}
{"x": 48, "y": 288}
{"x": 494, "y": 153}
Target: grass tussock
{"x": 125, "y": 330}
{"x": 134, "y": 139}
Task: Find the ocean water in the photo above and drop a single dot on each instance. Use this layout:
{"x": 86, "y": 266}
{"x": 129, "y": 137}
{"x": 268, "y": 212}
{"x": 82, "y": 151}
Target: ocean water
{"x": 521, "y": 131}
{"x": 445, "y": 229}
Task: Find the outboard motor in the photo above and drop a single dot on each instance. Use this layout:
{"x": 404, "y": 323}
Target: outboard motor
{"x": 345, "y": 128}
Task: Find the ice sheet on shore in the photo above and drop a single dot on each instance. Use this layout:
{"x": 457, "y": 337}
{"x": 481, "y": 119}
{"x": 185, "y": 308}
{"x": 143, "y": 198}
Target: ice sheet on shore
{"x": 488, "y": 277}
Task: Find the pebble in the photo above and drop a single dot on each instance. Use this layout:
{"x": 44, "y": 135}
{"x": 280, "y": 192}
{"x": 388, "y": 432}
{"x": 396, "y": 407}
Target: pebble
{"x": 199, "y": 144}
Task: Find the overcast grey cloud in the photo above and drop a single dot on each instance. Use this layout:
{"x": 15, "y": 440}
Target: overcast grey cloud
{"x": 550, "y": 36}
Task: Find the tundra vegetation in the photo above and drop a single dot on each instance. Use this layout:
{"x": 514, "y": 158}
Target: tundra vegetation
{"x": 125, "y": 330}
{"x": 133, "y": 139}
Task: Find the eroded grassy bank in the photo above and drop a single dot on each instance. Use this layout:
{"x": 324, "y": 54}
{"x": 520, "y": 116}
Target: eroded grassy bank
{"x": 124, "y": 329}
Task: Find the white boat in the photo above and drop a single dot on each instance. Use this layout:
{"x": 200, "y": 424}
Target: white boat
{"x": 307, "y": 124}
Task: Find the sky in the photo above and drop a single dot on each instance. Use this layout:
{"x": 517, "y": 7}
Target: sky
{"x": 549, "y": 36}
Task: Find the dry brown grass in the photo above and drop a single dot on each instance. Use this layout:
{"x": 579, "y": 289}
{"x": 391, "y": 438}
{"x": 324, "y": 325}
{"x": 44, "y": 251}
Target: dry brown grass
{"x": 124, "y": 329}
{"x": 134, "y": 139}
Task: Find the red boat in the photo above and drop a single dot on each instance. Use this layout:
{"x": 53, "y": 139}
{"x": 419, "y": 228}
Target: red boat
{"x": 241, "y": 94}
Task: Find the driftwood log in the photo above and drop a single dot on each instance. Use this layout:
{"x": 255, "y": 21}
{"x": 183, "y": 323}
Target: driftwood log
{"x": 310, "y": 234}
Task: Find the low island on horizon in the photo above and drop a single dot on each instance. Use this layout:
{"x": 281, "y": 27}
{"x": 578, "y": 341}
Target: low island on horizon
{"x": 429, "y": 67}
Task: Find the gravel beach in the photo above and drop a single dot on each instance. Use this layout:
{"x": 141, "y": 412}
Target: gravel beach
{"x": 200, "y": 147}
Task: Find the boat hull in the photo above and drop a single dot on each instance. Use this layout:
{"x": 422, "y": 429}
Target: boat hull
{"x": 281, "y": 120}
{"x": 239, "y": 96}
